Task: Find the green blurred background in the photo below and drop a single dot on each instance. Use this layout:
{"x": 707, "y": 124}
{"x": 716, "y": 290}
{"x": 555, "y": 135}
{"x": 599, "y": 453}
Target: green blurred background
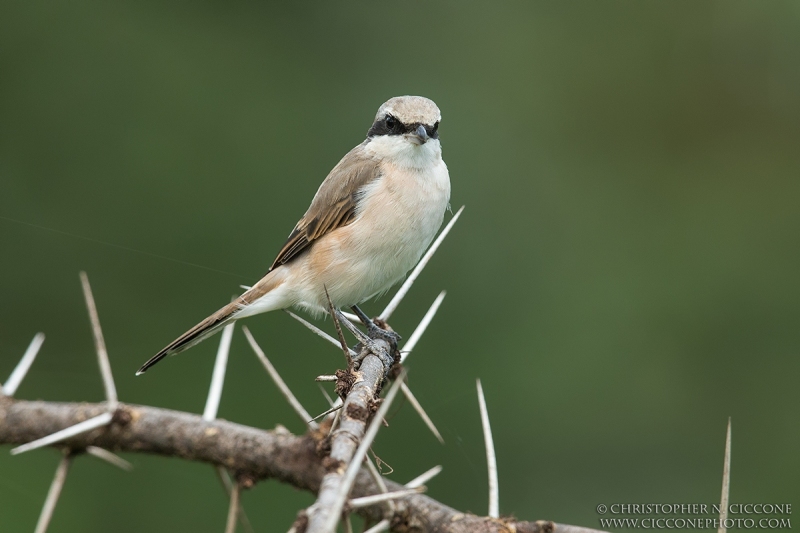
{"x": 624, "y": 278}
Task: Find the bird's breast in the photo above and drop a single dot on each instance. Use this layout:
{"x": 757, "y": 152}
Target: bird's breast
{"x": 401, "y": 212}
{"x": 397, "y": 217}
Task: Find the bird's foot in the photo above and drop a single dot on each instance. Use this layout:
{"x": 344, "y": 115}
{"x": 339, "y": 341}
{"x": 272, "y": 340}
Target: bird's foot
{"x": 377, "y": 347}
{"x": 378, "y": 329}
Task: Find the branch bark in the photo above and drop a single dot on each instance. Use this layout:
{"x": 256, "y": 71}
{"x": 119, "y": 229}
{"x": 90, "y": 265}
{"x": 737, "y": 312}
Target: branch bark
{"x": 252, "y": 454}
{"x": 346, "y": 438}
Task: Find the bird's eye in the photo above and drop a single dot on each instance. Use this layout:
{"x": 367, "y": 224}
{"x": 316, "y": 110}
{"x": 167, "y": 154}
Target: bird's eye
{"x": 391, "y": 122}
{"x": 436, "y": 127}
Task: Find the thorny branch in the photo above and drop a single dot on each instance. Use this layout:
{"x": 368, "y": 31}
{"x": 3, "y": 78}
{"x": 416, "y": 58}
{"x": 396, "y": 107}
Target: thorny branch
{"x": 327, "y": 460}
{"x": 348, "y": 442}
{"x": 252, "y": 454}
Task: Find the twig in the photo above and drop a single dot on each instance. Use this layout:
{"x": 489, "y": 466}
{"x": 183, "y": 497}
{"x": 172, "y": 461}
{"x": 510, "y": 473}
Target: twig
{"x": 726, "y": 482}
{"x": 340, "y": 496}
{"x": 326, "y": 378}
{"x": 491, "y": 458}
{"x": 99, "y": 344}
{"x": 421, "y": 412}
{"x": 18, "y": 374}
{"x": 298, "y": 408}
{"x": 110, "y": 458}
{"x": 218, "y": 374}
{"x": 54, "y": 493}
{"x": 233, "y": 509}
{"x": 398, "y": 297}
{"x": 345, "y": 437}
{"x": 72, "y": 431}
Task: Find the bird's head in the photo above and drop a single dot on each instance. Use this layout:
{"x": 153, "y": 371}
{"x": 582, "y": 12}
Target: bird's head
{"x": 407, "y": 125}
{"x": 412, "y": 118}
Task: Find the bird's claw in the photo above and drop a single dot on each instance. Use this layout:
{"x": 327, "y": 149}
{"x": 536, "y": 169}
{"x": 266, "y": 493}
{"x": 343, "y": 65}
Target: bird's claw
{"x": 378, "y": 330}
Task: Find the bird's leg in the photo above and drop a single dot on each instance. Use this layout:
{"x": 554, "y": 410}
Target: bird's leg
{"x": 362, "y": 316}
{"x": 376, "y": 331}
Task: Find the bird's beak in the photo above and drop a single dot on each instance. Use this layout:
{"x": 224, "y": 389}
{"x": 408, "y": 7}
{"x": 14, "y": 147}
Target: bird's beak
{"x": 419, "y": 137}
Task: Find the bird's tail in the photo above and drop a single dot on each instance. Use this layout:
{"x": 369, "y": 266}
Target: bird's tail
{"x": 198, "y": 333}
{"x": 223, "y": 316}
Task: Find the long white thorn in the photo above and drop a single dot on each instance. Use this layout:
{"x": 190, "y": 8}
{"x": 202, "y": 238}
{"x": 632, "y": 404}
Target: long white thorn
{"x": 423, "y": 325}
{"x": 351, "y": 317}
{"x": 326, "y": 413}
{"x": 358, "y": 457}
{"x": 491, "y": 458}
{"x": 418, "y": 481}
{"x": 218, "y": 375}
{"x": 421, "y": 412}
{"x": 110, "y": 458}
{"x": 726, "y": 482}
{"x": 210, "y": 413}
{"x": 298, "y": 408}
{"x": 66, "y": 433}
{"x": 53, "y": 494}
{"x": 224, "y": 479}
{"x": 398, "y": 297}
{"x": 99, "y": 344}
{"x": 318, "y": 331}
{"x": 365, "y": 501}
{"x": 424, "y": 477}
{"x": 324, "y": 392}
{"x": 18, "y": 374}
{"x": 383, "y": 525}
{"x": 227, "y": 484}
{"x": 335, "y": 422}
{"x": 233, "y": 509}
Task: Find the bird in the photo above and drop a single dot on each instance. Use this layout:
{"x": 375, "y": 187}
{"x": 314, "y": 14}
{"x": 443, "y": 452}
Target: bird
{"x": 368, "y": 224}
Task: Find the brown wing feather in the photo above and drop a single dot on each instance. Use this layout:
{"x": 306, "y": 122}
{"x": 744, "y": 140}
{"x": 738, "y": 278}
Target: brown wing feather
{"x": 334, "y": 205}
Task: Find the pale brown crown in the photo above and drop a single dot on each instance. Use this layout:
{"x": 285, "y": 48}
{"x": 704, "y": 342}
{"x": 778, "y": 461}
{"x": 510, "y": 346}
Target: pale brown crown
{"x": 410, "y": 110}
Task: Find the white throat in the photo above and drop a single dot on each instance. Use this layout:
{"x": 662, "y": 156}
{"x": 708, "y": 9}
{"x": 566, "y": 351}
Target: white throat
{"x": 403, "y": 153}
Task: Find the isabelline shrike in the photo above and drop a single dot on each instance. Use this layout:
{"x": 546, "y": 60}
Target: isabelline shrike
{"x": 367, "y": 226}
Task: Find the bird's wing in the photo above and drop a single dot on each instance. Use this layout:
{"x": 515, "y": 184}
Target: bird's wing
{"x": 334, "y": 205}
